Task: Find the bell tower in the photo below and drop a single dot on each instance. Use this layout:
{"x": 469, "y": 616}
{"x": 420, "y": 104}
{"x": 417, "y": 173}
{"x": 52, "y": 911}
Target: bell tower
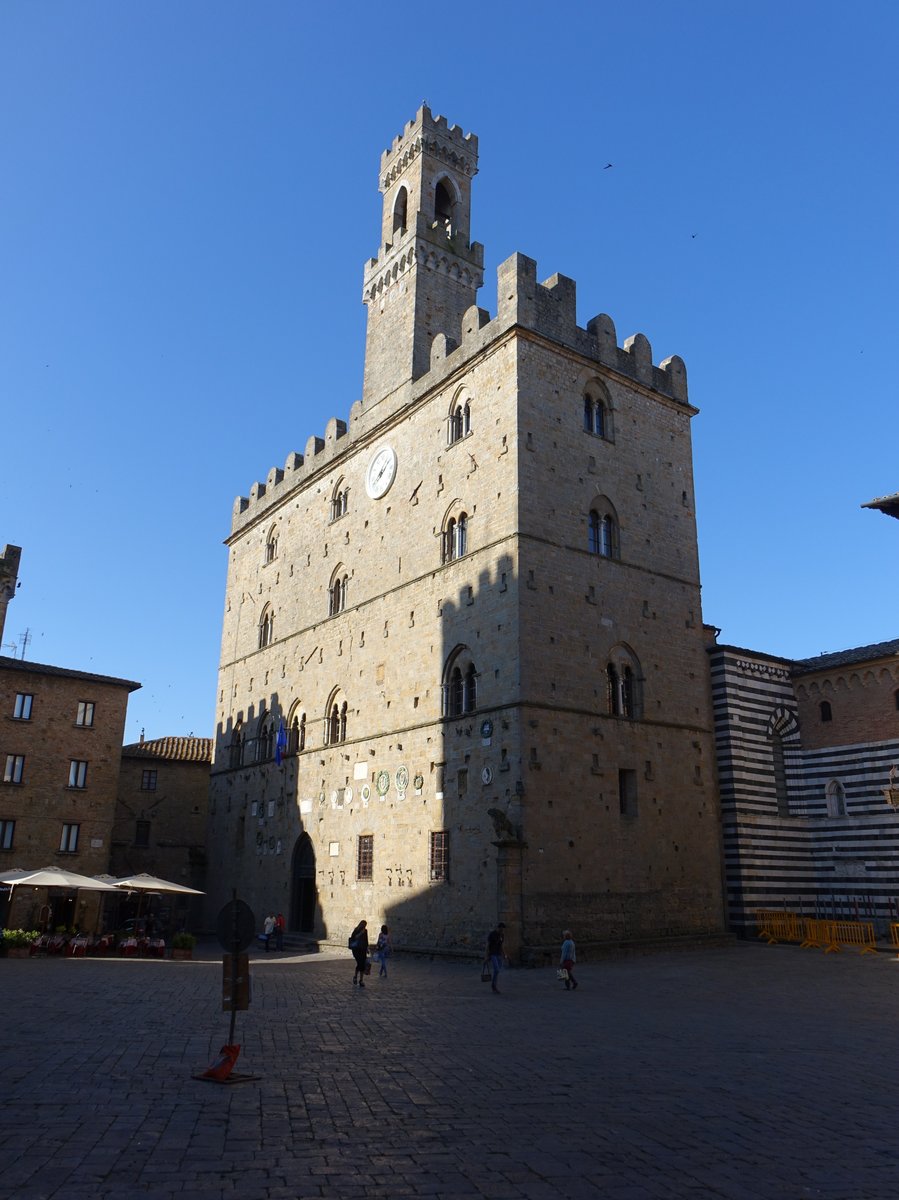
{"x": 427, "y": 272}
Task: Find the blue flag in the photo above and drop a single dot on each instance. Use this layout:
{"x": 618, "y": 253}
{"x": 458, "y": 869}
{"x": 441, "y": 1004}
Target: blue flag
{"x": 280, "y": 742}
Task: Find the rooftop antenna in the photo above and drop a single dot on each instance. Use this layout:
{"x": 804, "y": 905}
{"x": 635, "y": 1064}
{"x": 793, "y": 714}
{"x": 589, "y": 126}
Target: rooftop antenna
{"x": 24, "y": 639}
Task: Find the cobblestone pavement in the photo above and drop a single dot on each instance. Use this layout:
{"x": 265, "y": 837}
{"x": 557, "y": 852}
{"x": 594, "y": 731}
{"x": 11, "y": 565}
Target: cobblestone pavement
{"x": 749, "y": 1073}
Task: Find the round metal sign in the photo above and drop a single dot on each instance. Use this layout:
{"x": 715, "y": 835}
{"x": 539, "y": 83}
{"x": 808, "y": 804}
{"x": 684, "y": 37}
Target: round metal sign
{"x": 235, "y": 926}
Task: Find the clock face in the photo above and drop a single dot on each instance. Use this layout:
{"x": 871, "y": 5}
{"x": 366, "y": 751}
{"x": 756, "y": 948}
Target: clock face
{"x": 381, "y": 472}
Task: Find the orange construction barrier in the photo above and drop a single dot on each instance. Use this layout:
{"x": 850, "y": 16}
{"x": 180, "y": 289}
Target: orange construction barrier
{"x": 849, "y": 933}
{"x": 894, "y": 933}
{"x": 778, "y": 926}
{"x": 815, "y": 934}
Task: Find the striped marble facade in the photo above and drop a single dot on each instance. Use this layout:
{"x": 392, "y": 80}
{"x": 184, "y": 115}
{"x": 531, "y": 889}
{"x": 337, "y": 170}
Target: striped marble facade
{"x": 807, "y": 829}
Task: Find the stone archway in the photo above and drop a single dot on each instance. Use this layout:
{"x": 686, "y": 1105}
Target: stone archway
{"x": 302, "y": 887}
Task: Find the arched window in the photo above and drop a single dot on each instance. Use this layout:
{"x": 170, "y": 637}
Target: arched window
{"x": 337, "y": 592}
{"x": 340, "y": 500}
{"x": 444, "y": 202}
{"x": 265, "y": 741}
{"x": 266, "y": 627}
{"x": 597, "y": 410}
{"x": 271, "y": 545}
{"x": 455, "y": 538}
{"x": 471, "y": 689}
{"x": 825, "y": 710}
{"x": 836, "y": 799}
{"x": 235, "y": 750}
{"x": 459, "y": 421}
{"x": 624, "y": 684}
{"x": 781, "y": 727}
{"x": 602, "y": 530}
{"x": 335, "y": 720}
{"x": 296, "y": 732}
{"x": 399, "y": 211}
{"x": 459, "y": 689}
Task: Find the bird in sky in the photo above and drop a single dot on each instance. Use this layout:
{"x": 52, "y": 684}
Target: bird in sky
{"x": 606, "y": 167}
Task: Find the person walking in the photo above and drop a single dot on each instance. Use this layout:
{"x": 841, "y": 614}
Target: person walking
{"x": 567, "y": 959}
{"x": 268, "y": 927}
{"x": 359, "y": 947}
{"x": 494, "y": 954}
{"x": 382, "y": 950}
{"x": 279, "y": 931}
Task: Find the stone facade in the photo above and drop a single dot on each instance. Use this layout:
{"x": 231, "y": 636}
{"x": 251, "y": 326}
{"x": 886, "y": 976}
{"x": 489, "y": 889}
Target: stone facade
{"x": 160, "y": 818}
{"x": 60, "y": 754}
{"x": 463, "y": 674}
{"x": 807, "y": 753}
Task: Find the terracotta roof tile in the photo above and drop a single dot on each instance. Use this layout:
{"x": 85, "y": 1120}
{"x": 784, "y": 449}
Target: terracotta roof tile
{"x": 180, "y": 749}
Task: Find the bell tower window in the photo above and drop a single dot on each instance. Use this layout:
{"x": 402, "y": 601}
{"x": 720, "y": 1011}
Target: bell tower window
{"x": 400, "y": 208}
{"x": 443, "y": 205}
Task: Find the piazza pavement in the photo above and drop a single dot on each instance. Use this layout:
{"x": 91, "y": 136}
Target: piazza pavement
{"x": 743, "y": 1072}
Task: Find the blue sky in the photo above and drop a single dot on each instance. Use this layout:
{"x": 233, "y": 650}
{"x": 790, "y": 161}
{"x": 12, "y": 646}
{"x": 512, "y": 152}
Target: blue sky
{"x": 188, "y": 193}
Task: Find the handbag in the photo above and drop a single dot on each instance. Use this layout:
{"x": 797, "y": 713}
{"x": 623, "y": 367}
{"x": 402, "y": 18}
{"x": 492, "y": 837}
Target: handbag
{"x": 562, "y": 974}
{"x": 486, "y": 973}
{"x": 367, "y": 968}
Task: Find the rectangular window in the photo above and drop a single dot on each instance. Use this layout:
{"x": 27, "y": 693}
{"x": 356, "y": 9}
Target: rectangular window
{"x": 77, "y": 773}
{"x": 68, "y": 843}
{"x": 365, "y": 856}
{"x": 22, "y": 707}
{"x": 14, "y": 769}
{"x": 627, "y": 793}
{"x": 85, "y": 714}
{"x": 438, "y": 867}
{"x": 142, "y": 833}
{"x": 7, "y": 833}
{"x": 148, "y": 781}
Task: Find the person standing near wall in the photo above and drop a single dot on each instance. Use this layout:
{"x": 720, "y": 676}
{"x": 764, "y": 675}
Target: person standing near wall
{"x": 359, "y": 947}
{"x": 382, "y": 950}
{"x": 567, "y": 959}
{"x": 495, "y": 952}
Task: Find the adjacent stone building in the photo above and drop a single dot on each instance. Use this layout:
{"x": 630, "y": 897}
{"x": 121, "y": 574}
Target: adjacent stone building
{"x": 463, "y": 674}
{"x": 60, "y": 752}
{"x": 160, "y": 818}
{"x": 808, "y": 760}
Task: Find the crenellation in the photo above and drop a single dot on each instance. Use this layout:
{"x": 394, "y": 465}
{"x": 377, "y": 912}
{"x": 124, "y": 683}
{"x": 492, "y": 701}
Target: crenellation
{"x": 274, "y": 477}
{"x": 334, "y": 430}
{"x": 638, "y": 347}
{"x": 547, "y": 308}
{"x": 446, "y": 140}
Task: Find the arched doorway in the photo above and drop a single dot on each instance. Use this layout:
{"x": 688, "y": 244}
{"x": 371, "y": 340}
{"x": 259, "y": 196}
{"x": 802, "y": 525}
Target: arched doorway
{"x": 302, "y": 893}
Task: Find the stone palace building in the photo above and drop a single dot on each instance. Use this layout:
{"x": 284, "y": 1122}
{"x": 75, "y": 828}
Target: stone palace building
{"x": 463, "y": 675}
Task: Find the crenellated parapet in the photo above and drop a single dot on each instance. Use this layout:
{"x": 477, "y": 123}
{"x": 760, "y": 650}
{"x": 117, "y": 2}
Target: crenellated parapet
{"x": 434, "y": 135}
{"x": 546, "y": 309}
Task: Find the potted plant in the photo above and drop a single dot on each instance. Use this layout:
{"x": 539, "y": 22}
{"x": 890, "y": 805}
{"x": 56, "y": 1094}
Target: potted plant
{"x": 17, "y": 942}
{"x": 183, "y": 945}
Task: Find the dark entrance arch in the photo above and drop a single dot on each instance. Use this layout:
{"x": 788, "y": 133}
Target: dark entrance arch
{"x": 302, "y": 889}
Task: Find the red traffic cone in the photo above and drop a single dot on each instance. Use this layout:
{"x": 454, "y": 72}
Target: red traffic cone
{"x": 223, "y": 1065}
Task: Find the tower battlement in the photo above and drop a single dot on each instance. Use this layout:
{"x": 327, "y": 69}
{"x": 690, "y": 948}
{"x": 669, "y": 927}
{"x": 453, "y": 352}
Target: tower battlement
{"x": 442, "y": 140}
{"x": 546, "y": 309}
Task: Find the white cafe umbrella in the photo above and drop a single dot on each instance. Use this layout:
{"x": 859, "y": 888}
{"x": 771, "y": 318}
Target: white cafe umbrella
{"x": 150, "y": 883}
{"x": 47, "y": 877}
{"x": 55, "y": 877}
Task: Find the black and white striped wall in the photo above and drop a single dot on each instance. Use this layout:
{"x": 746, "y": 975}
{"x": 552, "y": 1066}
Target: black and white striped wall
{"x": 806, "y": 830}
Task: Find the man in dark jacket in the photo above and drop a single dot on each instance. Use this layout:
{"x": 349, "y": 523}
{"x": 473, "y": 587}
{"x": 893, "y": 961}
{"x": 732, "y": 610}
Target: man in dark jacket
{"x": 495, "y": 952}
